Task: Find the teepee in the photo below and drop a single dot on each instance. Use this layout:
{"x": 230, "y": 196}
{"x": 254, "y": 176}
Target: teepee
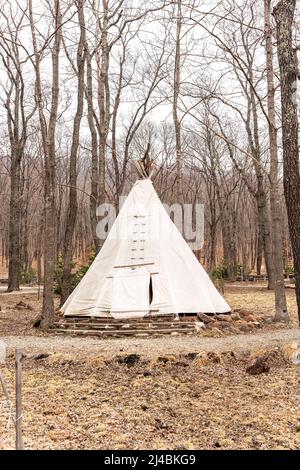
{"x": 144, "y": 267}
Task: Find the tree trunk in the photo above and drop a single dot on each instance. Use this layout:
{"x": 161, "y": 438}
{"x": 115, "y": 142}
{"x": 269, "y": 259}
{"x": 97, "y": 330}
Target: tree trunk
{"x": 14, "y": 227}
{"x": 259, "y": 250}
{"x": 94, "y": 150}
{"x": 261, "y": 196}
{"x": 104, "y": 102}
{"x": 264, "y": 229}
{"x": 281, "y": 313}
{"x": 48, "y": 141}
{"x": 176, "y": 117}
{"x": 50, "y": 178}
{"x": 229, "y": 248}
{"x": 213, "y": 248}
{"x": 73, "y": 203}
{"x": 284, "y": 15}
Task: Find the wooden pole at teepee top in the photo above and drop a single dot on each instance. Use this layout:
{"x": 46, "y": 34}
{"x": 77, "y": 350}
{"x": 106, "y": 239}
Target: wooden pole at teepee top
{"x": 19, "y": 439}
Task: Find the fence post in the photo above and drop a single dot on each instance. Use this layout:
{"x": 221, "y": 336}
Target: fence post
{"x": 19, "y": 439}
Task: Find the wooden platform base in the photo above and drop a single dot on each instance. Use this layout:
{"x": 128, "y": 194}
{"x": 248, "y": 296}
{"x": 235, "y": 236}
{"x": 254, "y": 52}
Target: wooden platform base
{"x": 139, "y": 327}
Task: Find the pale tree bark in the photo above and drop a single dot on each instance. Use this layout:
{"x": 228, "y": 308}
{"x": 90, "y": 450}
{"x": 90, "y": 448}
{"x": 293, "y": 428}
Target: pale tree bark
{"x": 73, "y": 203}
{"x": 99, "y": 126}
{"x": 176, "y": 95}
{"x": 281, "y": 312}
{"x": 48, "y": 140}
{"x": 117, "y": 102}
{"x": 102, "y": 60}
{"x": 284, "y": 15}
{"x": 94, "y": 147}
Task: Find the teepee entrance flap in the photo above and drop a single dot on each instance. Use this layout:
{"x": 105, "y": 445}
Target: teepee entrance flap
{"x": 130, "y": 292}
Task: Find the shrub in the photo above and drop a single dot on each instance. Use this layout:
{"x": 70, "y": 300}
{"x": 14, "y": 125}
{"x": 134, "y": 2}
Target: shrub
{"x": 76, "y": 274}
{"x": 289, "y": 270}
{"x": 220, "y": 272}
{"x": 27, "y": 277}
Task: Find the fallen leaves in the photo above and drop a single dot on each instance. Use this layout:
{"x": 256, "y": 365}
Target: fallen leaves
{"x": 73, "y": 402}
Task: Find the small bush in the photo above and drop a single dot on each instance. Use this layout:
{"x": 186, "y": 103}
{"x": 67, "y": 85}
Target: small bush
{"x": 27, "y": 277}
{"x": 76, "y": 274}
{"x": 220, "y": 272}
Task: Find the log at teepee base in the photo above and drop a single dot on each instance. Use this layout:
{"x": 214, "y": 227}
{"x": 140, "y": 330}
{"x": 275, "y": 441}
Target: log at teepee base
{"x": 108, "y": 327}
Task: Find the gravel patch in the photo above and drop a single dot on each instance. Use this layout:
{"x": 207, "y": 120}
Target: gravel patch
{"x": 150, "y": 347}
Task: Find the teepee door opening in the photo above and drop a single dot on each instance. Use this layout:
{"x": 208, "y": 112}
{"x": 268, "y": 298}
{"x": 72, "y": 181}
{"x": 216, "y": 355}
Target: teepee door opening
{"x": 150, "y": 291}
{"x": 130, "y": 293}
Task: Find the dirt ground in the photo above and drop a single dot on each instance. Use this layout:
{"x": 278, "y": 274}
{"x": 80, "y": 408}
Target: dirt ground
{"x": 172, "y": 393}
{"x": 19, "y": 310}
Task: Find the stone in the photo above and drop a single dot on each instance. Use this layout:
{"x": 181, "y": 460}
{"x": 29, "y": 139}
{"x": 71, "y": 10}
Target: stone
{"x": 244, "y": 313}
{"x": 199, "y": 325}
{"x": 205, "y": 318}
{"x": 223, "y": 324}
{"x": 235, "y": 316}
{"x": 245, "y": 329}
{"x": 210, "y": 326}
{"x": 250, "y": 318}
{"x": 224, "y": 318}
{"x": 243, "y": 326}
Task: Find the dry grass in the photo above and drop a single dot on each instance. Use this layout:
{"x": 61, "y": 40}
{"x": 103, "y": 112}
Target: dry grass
{"x": 257, "y": 299}
{"x": 177, "y": 403}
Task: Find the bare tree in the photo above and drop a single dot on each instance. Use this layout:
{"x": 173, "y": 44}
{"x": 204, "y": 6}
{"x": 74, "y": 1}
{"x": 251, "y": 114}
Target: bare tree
{"x": 281, "y": 312}
{"x": 287, "y": 56}
{"x": 18, "y": 118}
{"x": 176, "y": 93}
{"x": 73, "y": 203}
{"x": 48, "y": 141}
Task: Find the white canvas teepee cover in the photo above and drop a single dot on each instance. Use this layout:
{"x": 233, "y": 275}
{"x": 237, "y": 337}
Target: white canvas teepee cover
{"x": 144, "y": 266}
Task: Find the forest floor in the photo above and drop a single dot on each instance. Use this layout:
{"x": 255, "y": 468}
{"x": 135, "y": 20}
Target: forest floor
{"x": 184, "y": 392}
